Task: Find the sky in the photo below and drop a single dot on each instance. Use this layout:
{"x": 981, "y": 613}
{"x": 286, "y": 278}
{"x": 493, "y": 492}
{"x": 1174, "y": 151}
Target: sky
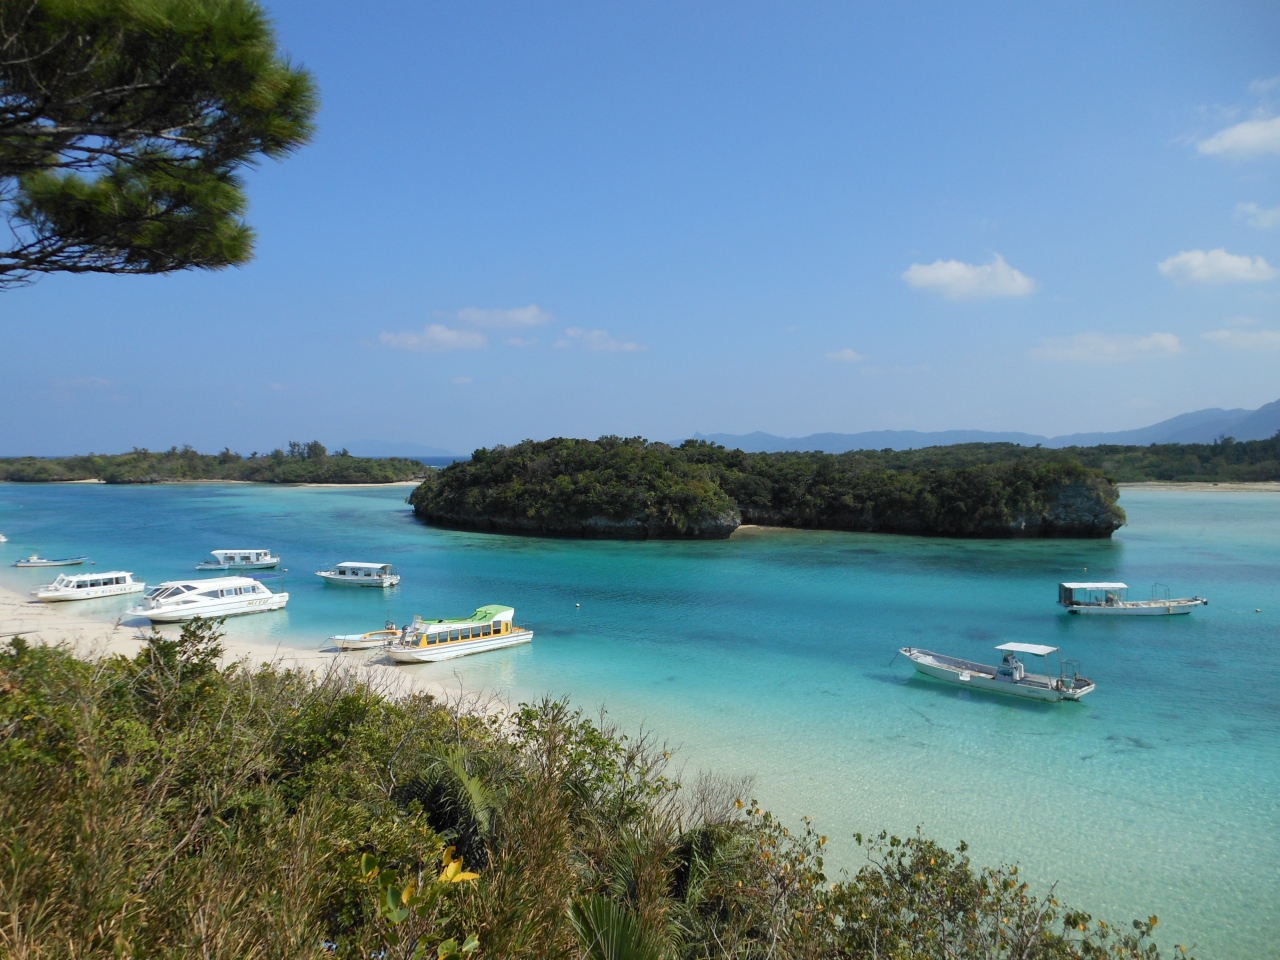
{"x": 530, "y": 220}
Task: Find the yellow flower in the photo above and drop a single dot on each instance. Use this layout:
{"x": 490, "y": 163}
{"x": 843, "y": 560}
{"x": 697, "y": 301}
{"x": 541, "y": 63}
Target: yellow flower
{"x": 738, "y": 804}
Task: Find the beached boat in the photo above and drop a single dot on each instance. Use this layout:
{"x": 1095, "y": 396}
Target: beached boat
{"x": 368, "y": 641}
{"x": 35, "y": 561}
{"x": 1010, "y": 676}
{"x": 239, "y": 560}
{"x": 352, "y": 574}
{"x": 177, "y": 600}
{"x": 88, "y": 586}
{"x": 489, "y": 628}
{"x": 1110, "y": 599}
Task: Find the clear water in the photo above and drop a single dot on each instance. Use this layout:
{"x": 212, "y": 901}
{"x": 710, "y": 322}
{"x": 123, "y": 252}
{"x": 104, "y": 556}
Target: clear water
{"x": 773, "y": 654}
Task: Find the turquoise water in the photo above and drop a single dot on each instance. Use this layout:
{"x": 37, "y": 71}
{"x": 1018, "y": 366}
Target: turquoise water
{"x": 772, "y": 654}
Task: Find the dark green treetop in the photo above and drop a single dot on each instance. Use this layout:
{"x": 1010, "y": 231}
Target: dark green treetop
{"x": 124, "y": 125}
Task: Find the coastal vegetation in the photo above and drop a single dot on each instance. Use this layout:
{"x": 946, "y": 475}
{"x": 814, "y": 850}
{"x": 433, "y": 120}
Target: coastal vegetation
{"x": 615, "y": 487}
{"x": 166, "y": 805}
{"x": 299, "y": 463}
{"x": 125, "y": 128}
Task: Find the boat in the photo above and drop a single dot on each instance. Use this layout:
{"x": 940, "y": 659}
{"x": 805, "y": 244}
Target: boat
{"x": 88, "y": 586}
{"x": 3, "y": 538}
{"x": 1110, "y": 599}
{"x": 489, "y": 628}
{"x": 239, "y": 560}
{"x": 177, "y": 600}
{"x": 35, "y": 561}
{"x": 1010, "y": 676}
{"x": 367, "y": 641}
{"x": 352, "y": 574}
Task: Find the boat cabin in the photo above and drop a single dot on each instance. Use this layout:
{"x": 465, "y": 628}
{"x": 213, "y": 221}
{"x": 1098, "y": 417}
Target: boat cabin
{"x": 84, "y": 582}
{"x": 491, "y": 621}
{"x": 229, "y": 558}
{"x": 1091, "y": 594}
{"x": 362, "y": 570}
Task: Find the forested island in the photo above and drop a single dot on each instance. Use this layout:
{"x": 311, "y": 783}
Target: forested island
{"x": 299, "y": 463}
{"x": 163, "y": 805}
{"x": 630, "y": 488}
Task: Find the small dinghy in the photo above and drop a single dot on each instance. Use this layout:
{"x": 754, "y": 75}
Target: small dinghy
{"x": 1009, "y": 677}
{"x": 367, "y": 641}
{"x": 1109, "y": 599}
{"x": 35, "y": 561}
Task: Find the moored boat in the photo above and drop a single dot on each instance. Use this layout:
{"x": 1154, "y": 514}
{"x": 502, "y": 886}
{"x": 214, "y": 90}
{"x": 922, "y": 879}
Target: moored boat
{"x": 239, "y": 560}
{"x": 35, "y": 561}
{"x": 176, "y": 600}
{"x": 88, "y": 586}
{"x": 353, "y": 574}
{"x": 367, "y": 641}
{"x": 1009, "y": 677}
{"x": 489, "y": 628}
{"x": 1111, "y": 599}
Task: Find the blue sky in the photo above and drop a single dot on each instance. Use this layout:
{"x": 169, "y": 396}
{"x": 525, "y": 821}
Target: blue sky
{"x": 527, "y": 220}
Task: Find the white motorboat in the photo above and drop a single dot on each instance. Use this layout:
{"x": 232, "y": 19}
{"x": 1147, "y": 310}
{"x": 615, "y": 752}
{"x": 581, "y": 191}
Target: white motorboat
{"x": 3, "y": 538}
{"x": 352, "y": 574}
{"x": 239, "y": 560}
{"x": 1009, "y": 677}
{"x": 489, "y": 628}
{"x": 177, "y": 600}
{"x": 1110, "y": 599}
{"x": 88, "y": 586}
{"x": 367, "y": 641}
{"x": 35, "y": 561}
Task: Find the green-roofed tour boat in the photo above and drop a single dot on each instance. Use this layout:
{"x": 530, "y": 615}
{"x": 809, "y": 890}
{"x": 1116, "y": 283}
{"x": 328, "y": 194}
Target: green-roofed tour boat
{"x": 489, "y": 628}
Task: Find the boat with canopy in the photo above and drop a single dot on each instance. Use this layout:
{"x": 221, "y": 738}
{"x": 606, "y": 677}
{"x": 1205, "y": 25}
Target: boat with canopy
{"x": 489, "y": 628}
{"x": 239, "y": 560}
{"x": 1010, "y": 676}
{"x": 1111, "y": 599}
{"x": 353, "y": 574}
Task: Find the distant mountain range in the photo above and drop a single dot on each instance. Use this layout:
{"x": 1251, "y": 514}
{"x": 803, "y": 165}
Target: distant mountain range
{"x": 1202, "y": 426}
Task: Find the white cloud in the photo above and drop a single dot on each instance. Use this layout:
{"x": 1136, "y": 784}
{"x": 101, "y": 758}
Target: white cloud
{"x": 845, "y": 356}
{"x": 1256, "y": 216}
{"x": 597, "y": 341}
{"x": 1252, "y": 138}
{"x": 1216, "y": 266}
{"x": 1107, "y": 348}
{"x": 434, "y": 337}
{"x": 514, "y": 318}
{"x": 1261, "y": 88}
{"x": 1245, "y": 339}
{"x": 967, "y": 281}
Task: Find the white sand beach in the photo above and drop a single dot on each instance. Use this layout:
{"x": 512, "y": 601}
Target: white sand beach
{"x": 59, "y": 623}
{"x": 1266, "y": 486}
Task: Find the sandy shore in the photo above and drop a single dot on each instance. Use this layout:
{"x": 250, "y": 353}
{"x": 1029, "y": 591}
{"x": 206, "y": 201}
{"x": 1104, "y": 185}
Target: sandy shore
{"x": 1268, "y": 486}
{"x": 59, "y": 623}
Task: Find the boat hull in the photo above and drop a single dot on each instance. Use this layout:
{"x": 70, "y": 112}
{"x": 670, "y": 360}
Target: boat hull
{"x": 238, "y": 608}
{"x": 89, "y": 593}
{"x": 1168, "y": 608}
{"x": 458, "y": 648}
{"x": 380, "y": 582}
{"x": 264, "y": 565}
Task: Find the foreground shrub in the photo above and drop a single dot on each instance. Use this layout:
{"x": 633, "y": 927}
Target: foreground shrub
{"x": 166, "y": 806}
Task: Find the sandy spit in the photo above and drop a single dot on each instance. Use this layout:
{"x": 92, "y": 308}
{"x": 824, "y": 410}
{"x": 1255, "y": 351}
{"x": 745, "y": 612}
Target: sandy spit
{"x": 59, "y": 623}
{"x": 1267, "y": 486}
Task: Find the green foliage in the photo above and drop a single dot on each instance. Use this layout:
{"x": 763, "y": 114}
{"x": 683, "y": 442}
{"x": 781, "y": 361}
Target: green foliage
{"x": 302, "y": 463}
{"x": 124, "y": 125}
{"x": 630, "y": 488}
{"x": 164, "y": 805}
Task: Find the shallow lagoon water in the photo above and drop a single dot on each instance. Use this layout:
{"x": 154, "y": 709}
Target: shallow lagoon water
{"x": 773, "y": 654}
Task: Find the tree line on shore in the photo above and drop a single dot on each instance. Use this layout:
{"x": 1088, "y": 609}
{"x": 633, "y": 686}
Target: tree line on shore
{"x": 164, "y": 805}
{"x": 298, "y": 463}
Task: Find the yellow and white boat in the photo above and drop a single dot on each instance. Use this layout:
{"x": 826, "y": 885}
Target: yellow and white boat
{"x": 489, "y": 628}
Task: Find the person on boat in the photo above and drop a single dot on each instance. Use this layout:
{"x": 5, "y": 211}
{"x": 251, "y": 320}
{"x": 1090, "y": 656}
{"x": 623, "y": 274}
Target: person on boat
{"x": 1011, "y": 668}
